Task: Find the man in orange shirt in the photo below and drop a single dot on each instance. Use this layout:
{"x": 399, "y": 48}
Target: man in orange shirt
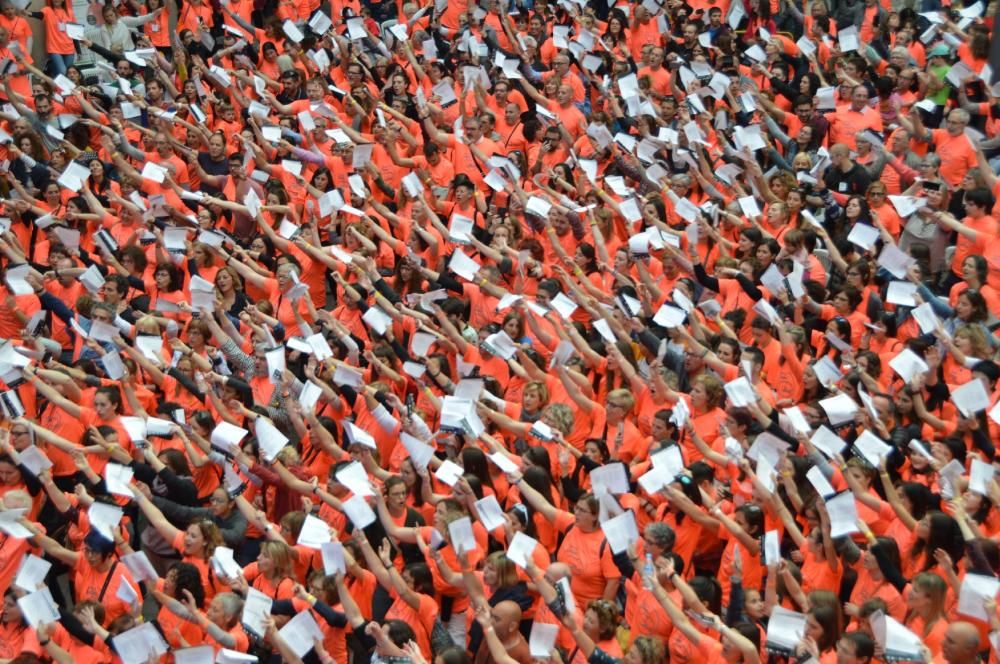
{"x": 848, "y": 122}
{"x": 463, "y": 158}
{"x": 560, "y": 69}
{"x": 951, "y": 144}
{"x": 510, "y": 129}
{"x": 659, "y": 77}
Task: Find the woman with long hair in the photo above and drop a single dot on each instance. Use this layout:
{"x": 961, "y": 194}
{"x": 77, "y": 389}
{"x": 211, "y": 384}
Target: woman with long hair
{"x": 196, "y": 543}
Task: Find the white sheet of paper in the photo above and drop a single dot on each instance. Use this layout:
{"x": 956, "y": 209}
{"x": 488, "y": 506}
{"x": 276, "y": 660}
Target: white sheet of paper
{"x": 315, "y": 532}
{"x": 542, "y": 639}
{"x": 521, "y": 548}
{"x": 785, "y": 628}
{"x": 269, "y": 437}
{"x": 355, "y": 477}
{"x": 740, "y": 392}
{"x": 908, "y": 365}
{"x": 38, "y": 608}
{"x": 449, "y": 472}
{"x": 971, "y": 397}
{"x": 139, "y": 644}
{"x": 503, "y": 462}
{"x": 301, "y": 633}
{"x": 104, "y": 517}
{"x": 34, "y": 459}
{"x": 839, "y": 409}
{"x": 225, "y": 435}
{"x": 32, "y": 573}
{"x": 256, "y": 609}
{"x": 462, "y": 536}
{"x": 224, "y": 562}
{"x": 333, "y": 558}
{"x": 895, "y": 261}
{"x": 195, "y": 655}
{"x": 359, "y": 512}
{"x": 975, "y": 590}
{"x": 772, "y": 547}
{"x": 621, "y": 531}
{"x": 490, "y": 513}
{"x": 901, "y": 293}
{"x": 980, "y": 476}
{"x": 609, "y": 478}
{"x": 140, "y": 566}
{"x": 117, "y": 479}
{"x": 843, "y": 511}
{"x": 820, "y": 483}
{"x": 827, "y": 442}
{"x": 872, "y": 448}
{"x": 864, "y": 236}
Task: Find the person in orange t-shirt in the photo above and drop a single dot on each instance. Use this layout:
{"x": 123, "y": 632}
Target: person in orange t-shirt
{"x": 96, "y": 572}
{"x": 413, "y": 595}
{"x": 951, "y": 144}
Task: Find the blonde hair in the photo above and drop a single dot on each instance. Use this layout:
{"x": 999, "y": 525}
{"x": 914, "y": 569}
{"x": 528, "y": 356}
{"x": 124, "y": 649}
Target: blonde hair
{"x": 505, "y": 570}
{"x": 624, "y": 395}
{"x": 283, "y": 557}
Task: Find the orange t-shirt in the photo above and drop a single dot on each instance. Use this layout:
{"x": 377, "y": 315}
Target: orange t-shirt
{"x": 956, "y": 153}
{"x": 589, "y": 558}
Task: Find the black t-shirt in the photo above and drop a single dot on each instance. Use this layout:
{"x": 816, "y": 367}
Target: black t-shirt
{"x": 854, "y": 181}
{"x": 212, "y": 167}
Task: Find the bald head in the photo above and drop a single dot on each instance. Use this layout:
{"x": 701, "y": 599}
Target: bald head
{"x": 839, "y": 150}
{"x": 961, "y": 643}
{"x": 506, "y": 617}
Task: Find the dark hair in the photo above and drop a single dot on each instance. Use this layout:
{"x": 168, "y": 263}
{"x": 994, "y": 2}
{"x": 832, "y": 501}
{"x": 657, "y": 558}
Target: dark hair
{"x": 474, "y": 462}
{"x": 981, "y": 197}
{"x": 942, "y": 533}
{"x": 176, "y": 461}
{"x": 187, "y": 577}
{"x": 176, "y": 276}
{"x": 708, "y": 591}
{"x": 980, "y": 312}
{"x": 400, "y": 633}
{"x": 864, "y": 645}
{"x": 888, "y": 547}
{"x": 113, "y": 394}
{"x": 423, "y": 582}
{"x": 828, "y": 618}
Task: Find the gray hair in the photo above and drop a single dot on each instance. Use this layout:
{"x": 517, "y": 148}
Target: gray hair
{"x": 562, "y": 415}
{"x": 662, "y": 535}
{"x": 231, "y": 603}
{"x": 962, "y": 115}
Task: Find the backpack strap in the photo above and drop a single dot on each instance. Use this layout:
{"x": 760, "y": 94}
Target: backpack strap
{"x": 107, "y": 582}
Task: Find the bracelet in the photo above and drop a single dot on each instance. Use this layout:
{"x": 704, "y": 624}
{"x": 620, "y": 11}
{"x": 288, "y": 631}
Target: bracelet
{"x": 483, "y": 282}
{"x": 45, "y": 642}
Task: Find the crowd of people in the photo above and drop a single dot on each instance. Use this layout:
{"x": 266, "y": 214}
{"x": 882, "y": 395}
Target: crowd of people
{"x": 499, "y": 333}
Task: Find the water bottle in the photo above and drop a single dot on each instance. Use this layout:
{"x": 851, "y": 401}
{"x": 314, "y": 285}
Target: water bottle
{"x": 647, "y": 572}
